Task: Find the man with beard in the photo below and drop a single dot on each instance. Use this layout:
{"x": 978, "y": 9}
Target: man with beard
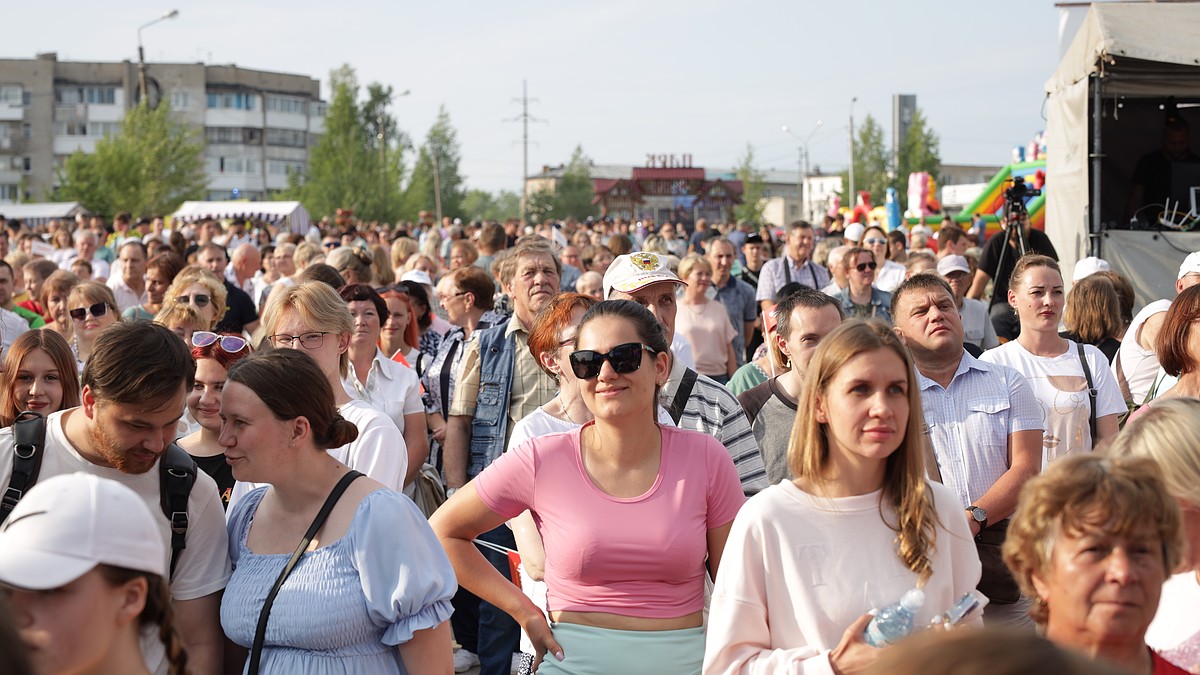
{"x": 133, "y": 396}
{"x": 500, "y": 383}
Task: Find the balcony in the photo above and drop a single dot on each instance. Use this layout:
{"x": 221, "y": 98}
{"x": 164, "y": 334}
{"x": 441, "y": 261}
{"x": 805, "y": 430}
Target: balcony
{"x": 71, "y": 113}
{"x": 14, "y": 145}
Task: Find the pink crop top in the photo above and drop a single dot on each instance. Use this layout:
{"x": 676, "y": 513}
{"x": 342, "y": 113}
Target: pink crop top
{"x": 642, "y": 556}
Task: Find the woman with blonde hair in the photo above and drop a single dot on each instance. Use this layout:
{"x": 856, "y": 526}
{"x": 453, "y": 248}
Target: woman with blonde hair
{"x": 1169, "y": 434}
{"x": 183, "y": 320}
{"x": 354, "y": 263}
{"x": 704, "y": 323}
{"x": 92, "y": 308}
{"x": 794, "y": 590}
{"x": 403, "y": 248}
{"x": 39, "y": 376}
{"x": 202, "y": 290}
{"x": 1093, "y": 315}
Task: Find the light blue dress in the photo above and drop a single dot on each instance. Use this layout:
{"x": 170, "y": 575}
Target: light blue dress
{"x": 347, "y": 604}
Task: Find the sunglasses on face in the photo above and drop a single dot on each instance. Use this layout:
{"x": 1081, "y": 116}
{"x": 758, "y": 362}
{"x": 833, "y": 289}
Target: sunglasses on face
{"x": 97, "y": 310}
{"x": 863, "y": 267}
{"x": 232, "y": 344}
{"x": 624, "y": 359}
{"x": 874, "y": 241}
{"x": 199, "y": 299}
{"x": 332, "y": 244}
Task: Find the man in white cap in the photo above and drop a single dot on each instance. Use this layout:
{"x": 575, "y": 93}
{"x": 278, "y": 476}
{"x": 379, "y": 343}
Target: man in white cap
{"x": 1136, "y": 365}
{"x": 697, "y": 402}
{"x": 978, "y": 331}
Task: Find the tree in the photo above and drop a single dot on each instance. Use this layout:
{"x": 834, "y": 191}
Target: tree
{"x": 151, "y": 167}
{"x": 441, "y": 141}
{"x": 358, "y": 161}
{"x": 483, "y": 205}
{"x": 919, "y": 152}
{"x": 574, "y": 192}
{"x": 540, "y": 206}
{"x": 753, "y": 186}
{"x": 872, "y": 161}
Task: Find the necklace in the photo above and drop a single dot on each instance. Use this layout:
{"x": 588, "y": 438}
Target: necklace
{"x": 566, "y": 410}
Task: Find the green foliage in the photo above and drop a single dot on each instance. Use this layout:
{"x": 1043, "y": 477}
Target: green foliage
{"x": 919, "y": 152}
{"x": 358, "y": 162}
{"x": 151, "y": 167}
{"x": 483, "y": 205}
{"x": 753, "y": 186}
{"x": 574, "y": 192}
{"x": 874, "y": 167}
{"x": 539, "y": 206}
{"x": 419, "y": 195}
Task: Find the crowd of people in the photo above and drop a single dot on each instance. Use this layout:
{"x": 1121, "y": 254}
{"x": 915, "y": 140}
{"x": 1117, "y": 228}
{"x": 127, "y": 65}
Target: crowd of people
{"x": 589, "y": 447}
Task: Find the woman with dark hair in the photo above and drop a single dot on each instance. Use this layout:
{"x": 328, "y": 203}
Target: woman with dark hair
{"x": 430, "y": 336}
{"x": 795, "y": 591}
{"x": 161, "y": 270}
{"x": 629, "y": 512}
{"x": 83, "y": 562}
{"x": 55, "y": 291}
{"x": 215, "y": 354}
{"x": 386, "y": 385}
{"x": 1177, "y": 349}
{"x": 382, "y": 607}
{"x": 39, "y": 376}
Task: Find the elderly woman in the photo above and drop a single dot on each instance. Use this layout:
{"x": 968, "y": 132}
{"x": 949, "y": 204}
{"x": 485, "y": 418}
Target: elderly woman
{"x": 1169, "y": 433}
{"x": 202, "y": 290}
{"x": 705, "y": 323}
{"x": 54, "y": 299}
{"x": 861, "y": 298}
{"x": 1092, "y": 541}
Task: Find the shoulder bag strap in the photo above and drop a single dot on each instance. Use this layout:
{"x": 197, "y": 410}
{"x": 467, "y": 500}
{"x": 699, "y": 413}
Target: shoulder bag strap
{"x": 683, "y": 394}
{"x": 444, "y": 376}
{"x": 1122, "y": 381}
{"x": 1087, "y": 373}
{"x": 260, "y": 632}
{"x": 787, "y": 270}
{"x": 29, "y": 437}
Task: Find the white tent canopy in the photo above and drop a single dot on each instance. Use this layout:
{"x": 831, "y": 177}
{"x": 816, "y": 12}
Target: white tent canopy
{"x": 293, "y": 214}
{"x": 37, "y": 214}
{"x": 1103, "y": 113}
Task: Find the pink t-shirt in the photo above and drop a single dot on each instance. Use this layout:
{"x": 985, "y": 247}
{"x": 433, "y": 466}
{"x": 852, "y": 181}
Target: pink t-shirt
{"x": 641, "y": 556}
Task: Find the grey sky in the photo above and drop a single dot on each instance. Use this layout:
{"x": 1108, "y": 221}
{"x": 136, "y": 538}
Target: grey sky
{"x": 623, "y": 78}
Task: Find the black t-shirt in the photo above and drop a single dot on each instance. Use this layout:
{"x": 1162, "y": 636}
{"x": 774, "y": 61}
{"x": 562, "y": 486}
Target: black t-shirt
{"x": 221, "y": 472}
{"x": 1037, "y": 242}
{"x": 239, "y": 310}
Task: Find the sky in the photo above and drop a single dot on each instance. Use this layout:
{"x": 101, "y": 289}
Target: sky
{"x": 620, "y": 78}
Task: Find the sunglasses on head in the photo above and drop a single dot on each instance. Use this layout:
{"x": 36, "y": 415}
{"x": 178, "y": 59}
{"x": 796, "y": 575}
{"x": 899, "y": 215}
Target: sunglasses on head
{"x": 97, "y": 310}
{"x": 199, "y": 299}
{"x": 624, "y": 359}
{"x": 863, "y": 267}
{"x": 232, "y": 344}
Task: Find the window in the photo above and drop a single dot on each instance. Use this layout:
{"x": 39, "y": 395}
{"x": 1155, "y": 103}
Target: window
{"x": 73, "y": 95}
{"x": 233, "y": 165}
{"x": 27, "y": 164}
{"x": 285, "y": 137}
{"x": 233, "y": 135}
{"x": 283, "y": 104}
{"x": 230, "y": 100}
{"x": 180, "y": 100}
{"x": 9, "y": 192}
{"x": 279, "y": 167}
{"x": 318, "y": 109}
{"x": 12, "y": 95}
{"x": 27, "y": 131}
{"x": 87, "y": 129}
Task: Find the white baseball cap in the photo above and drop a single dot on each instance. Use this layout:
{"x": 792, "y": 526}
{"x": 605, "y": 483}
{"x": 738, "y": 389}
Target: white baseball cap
{"x": 1089, "y": 266}
{"x": 854, "y": 232}
{"x": 953, "y": 263}
{"x": 66, "y": 525}
{"x": 419, "y": 276}
{"x": 1191, "y": 265}
{"x": 637, "y": 270}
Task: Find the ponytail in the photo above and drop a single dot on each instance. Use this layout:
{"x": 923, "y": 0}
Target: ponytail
{"x": 157, "y": 611}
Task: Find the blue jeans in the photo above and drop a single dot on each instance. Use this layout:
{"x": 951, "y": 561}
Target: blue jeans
{"x": 499, "y": 634}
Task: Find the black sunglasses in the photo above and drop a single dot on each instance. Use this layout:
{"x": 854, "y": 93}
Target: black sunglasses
{"x": 624, "y": 359}
{"x": 863, "y": 267}
{"x": 199, "y": 299}
{"x": 97, "y": 310}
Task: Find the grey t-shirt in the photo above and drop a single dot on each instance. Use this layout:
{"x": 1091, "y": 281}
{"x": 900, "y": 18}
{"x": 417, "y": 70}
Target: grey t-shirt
{"x": 772, "y": 414}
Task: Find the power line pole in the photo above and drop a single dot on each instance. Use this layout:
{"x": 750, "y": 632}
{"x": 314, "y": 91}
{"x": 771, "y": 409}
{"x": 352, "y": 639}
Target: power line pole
{"x": 524, "y": 118}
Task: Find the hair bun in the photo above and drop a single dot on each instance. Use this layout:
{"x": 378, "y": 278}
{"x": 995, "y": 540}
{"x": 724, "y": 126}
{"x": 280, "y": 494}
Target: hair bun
{"x": 341, "y": 431}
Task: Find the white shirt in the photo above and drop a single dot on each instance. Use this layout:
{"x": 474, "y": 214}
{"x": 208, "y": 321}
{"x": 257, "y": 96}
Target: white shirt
{"x": 391, "y": 388}
{"x": 682, "y": 349}
{"x": 126, "y": 297}
{"x": 1174, "y": 632}
{"x": 11, "y": 327}
{"x": 977, "y": 324}
{"x": 1140, "y": 365}
{"x": 889, "y": 276}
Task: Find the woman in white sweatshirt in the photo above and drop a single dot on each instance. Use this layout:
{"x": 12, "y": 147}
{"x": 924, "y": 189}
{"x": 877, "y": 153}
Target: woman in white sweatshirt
{"x": 857, "y": 526}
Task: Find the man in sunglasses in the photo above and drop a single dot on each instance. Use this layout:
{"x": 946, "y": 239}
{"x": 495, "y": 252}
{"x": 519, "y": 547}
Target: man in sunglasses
{"x": 697, "y": 402}
{"x": 500, "y": 383}
{"x": 860, "y": 299}
{"x": 134, "y": 386}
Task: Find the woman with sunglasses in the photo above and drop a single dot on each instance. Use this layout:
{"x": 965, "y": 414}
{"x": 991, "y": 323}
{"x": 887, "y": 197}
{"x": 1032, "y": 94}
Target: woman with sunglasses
{"x": 631, "y": 514}
{"x": 92, "y": 308}
{"x": 39, "y": 375}
{"x": 215, "y": 354}
{"x": 890, "y": 273}
{"x": 202, "y": 290}
{"x": 858, "y": 526}
{"x": 861, "y": 298}
{"x": 161, "y": 270}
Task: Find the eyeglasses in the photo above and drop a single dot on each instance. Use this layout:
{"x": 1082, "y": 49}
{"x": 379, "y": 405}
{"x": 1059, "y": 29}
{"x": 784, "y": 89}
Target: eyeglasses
{"x": 332, "y": 244}
{"x": 874, "y": 241}
{"x": 863, "y": 267}
{"x": 230, "y": 343}
{"x": 624, "y": 359}
{"x": 199, "y": 299}
{"x": 97, "y": 310}
{"x": 312, "y": 340}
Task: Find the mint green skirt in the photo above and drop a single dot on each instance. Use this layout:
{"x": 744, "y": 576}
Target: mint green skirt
{"x": 604, "y": 651}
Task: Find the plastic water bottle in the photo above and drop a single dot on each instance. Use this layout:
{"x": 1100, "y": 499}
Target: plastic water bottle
{"x": 894, "y": 622}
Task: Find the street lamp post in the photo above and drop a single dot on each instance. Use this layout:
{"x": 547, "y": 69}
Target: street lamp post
{"x": 850, "y": 195}
{"x": 803, "y": 164}
{"x": 142, "y": 55}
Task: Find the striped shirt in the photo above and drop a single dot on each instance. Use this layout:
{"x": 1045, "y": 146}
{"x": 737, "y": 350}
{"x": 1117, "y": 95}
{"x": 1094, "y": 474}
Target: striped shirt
{"x": 713, "y": 410}
{"x": 969, "y": 423}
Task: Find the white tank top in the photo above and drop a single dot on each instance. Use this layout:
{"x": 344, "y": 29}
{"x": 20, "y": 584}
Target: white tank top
{"x": 1140, "y": 366}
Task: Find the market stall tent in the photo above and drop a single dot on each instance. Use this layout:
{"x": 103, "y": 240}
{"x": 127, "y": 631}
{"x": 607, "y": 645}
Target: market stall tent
{"x": 40, "y": 214}
{"x": 292, "y": 214}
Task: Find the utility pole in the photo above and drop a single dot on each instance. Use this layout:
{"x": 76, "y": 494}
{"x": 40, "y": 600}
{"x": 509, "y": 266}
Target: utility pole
{"x": 437, "y": 182}
{"x": 851, "y": 195}
{"x": 524, "y": 118}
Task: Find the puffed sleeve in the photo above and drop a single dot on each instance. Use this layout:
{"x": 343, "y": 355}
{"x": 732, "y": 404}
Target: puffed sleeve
{"x": 238, "y": 519}
{"x": 406, "y": 578}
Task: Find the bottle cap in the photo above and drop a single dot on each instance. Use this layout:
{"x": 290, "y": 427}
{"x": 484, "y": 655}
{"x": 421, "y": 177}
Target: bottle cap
{"x": 913, "y": 599}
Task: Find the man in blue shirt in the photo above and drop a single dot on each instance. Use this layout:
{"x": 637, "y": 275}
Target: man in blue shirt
{"x": 735, "y": 294}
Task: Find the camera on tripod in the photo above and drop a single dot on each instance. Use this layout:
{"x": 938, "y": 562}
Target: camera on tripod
{"x": 1018, "y": 193}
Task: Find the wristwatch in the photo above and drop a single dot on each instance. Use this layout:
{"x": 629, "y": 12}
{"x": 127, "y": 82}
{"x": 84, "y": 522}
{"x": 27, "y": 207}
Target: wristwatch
{"x": 979, "y": 514}
{"x": 450, "y": 492}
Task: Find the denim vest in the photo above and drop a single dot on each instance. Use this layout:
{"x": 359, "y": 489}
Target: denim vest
{"x": 489, "y": 427}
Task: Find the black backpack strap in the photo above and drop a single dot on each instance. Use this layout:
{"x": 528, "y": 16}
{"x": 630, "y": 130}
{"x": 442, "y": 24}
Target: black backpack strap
{"x": 29, "y": 439}
{"x": 683, "y": 394}
{"x": 444, "y": 376}
{"x": 1087, "y": 373}
{"x": 177, "y": 475}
